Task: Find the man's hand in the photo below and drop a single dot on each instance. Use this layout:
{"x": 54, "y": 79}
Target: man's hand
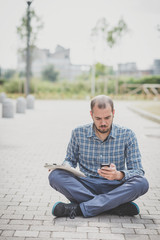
{"x": 110, "y": 173}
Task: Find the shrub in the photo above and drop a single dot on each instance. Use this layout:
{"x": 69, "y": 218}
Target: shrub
{"x": 14, "y": 86}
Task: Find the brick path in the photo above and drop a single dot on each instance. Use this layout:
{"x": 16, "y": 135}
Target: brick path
{"x": 41, "y": 135}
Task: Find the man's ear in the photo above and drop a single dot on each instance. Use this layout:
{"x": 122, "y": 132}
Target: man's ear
{"x": 113, "y": 112}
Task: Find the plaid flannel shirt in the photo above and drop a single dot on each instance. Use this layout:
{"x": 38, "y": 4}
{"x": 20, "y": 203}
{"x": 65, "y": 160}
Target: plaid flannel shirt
{"x": 120, "y": 148}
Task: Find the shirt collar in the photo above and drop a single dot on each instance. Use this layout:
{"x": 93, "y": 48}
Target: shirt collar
{"x": 113, "y": 131}
{"x": 91, "y": 132}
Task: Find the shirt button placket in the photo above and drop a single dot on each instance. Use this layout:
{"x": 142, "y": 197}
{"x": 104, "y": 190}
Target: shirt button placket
{"x": 101, "y": 154}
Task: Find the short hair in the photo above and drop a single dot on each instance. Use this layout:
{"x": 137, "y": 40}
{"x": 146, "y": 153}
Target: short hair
{"x": 102, "y": 101}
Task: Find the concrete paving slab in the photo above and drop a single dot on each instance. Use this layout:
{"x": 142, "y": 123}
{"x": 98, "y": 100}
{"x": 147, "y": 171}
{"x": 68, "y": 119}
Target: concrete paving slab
{"x": 41, "y": 135}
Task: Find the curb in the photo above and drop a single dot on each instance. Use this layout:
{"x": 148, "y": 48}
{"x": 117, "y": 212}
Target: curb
{"x": 145, "y": 114}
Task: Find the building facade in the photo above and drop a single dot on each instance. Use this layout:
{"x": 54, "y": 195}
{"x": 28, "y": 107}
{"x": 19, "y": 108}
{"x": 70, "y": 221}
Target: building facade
{"x": 60, "y": 59}
{"x": 156, "y": 67}
{"x": 129, "y": 68}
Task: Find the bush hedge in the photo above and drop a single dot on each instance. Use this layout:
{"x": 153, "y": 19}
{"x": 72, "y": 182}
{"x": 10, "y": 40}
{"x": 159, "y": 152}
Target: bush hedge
{"x": 80, "y": 88}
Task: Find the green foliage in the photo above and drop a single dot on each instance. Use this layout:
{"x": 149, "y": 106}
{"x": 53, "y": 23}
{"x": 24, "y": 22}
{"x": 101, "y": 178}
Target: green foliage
{"x": 101, "y": 27}
{"x": 79, "y": 89}
{"x": 14, "y": 86}
{"x": 9, "y": 74}
{"x": 148, "y": 80}
{"x": 116, "y": 32}
{"x": 2, "y": 81}
{"x": 29, "y": 28}
{"x": 62, "y": 89}
{"x": 102, "y": 70}
{"x": 143, "y": 80}
{"x": 35, "y": 26}
{"x": 84, "y": 77}
{"x": 50, "y": 74}
{"x": 112, "y": 35}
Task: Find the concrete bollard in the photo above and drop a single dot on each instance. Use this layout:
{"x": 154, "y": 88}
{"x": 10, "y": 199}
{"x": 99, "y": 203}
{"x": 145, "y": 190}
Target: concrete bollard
{"x": 30, "y": 102}
{"x": 7, "y": 108}
{"x": 21, "y": 105}
{"x": 2, "y": 97}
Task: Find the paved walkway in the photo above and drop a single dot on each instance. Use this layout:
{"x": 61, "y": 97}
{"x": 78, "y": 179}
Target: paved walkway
{"x": 29, "y": 140}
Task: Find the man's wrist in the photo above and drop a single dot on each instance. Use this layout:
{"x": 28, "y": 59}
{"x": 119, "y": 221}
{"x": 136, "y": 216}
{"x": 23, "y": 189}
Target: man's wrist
{"x": 120, "y": 175}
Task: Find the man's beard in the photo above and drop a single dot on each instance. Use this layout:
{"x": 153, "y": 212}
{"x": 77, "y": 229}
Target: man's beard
{"x": 102, "y": 131}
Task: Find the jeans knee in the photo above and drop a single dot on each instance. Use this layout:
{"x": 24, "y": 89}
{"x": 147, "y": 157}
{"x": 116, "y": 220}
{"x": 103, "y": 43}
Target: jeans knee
{"x": 142, "y": 185}
{"x": 145, "y": 185}
{"x": 53, "y": 177}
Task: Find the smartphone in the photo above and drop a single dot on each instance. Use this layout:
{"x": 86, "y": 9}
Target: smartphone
{"x": 105, "y": 165}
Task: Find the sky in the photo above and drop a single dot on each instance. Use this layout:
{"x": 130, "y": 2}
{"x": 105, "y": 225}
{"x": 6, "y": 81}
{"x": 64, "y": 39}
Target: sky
{"x": 69, "y": 23}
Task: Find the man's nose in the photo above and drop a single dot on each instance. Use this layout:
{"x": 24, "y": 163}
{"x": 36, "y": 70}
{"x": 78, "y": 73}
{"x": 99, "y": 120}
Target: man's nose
{"x": 103, "y": 122}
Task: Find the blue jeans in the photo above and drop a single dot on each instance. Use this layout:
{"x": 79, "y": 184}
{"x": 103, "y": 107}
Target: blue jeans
{"x": 97, "y": 195}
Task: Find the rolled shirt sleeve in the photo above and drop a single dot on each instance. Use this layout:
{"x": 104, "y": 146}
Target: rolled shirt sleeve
{"x": 132, "y": 157}
{"x": 72, "y": 151}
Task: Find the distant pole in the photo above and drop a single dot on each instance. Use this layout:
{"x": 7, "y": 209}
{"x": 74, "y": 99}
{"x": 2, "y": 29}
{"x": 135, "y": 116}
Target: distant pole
{"x": 28, "y": 57}
{"x": 116, "y": 84}
{"x": 93, "y": 73}
{"x": 93, "y": 80}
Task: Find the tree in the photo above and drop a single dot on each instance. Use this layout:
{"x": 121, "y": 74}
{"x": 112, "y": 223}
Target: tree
{"x": 49, "y": 73}
{"x": 36, "y": 25}
{"x": 108, "y": 36}
{"x": 28, "y": 31}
